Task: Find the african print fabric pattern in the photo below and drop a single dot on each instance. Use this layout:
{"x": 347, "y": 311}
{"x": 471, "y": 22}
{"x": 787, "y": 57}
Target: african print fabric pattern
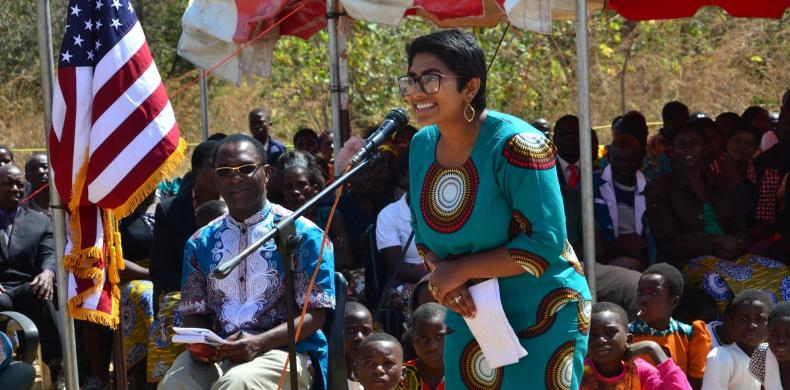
{"x": 448, "y": 196}
{"x": 551, "y": 304}
{"x": 530, "y": 262}
{"x": 137, "y": 312}
{"x": 570, "y": 256}
{"x": 723, "y": 279}
{"x": 519, "y": 224}
{"x": 559, "y": 371}
{"x": 475, "y": 372}
{"x": 162, "y": 352}
{"x": 531, "y": 151}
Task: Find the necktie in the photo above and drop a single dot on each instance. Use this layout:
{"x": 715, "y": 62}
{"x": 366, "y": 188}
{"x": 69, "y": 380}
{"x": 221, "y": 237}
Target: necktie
{"x": 573, "y": 177}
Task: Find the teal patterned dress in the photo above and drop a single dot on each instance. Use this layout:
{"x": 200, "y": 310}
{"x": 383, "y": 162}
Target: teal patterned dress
{"x": 507, "y": 193}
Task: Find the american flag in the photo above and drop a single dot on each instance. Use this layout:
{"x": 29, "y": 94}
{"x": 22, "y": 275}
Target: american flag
{"x": 114, "y": 137}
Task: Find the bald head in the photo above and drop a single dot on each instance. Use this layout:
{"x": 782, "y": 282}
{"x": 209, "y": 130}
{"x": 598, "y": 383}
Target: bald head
{"x": 37, "y": 170}
{"x": 12, "y": 187}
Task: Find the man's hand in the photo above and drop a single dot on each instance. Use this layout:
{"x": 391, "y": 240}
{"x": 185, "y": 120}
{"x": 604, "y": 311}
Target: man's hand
{"x": 42, "y": 285}
{"x": 241, "y": 347}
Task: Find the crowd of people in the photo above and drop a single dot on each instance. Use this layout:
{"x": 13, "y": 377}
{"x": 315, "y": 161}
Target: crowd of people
{"x": 692, "y": 235}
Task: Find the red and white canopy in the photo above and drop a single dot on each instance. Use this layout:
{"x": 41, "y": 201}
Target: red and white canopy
{"x": 213, "y": 29}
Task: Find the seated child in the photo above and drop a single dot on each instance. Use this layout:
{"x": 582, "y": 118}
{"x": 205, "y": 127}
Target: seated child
{"x": 612, "y": 360}
{"x": 379, "y": 363}
{"x": 658, "y": 293}
{"x": 770, "y": 363}
{"x": 728, "y": 365}
{"x": 426, "y": 372}
{"x": 358, "y": 325}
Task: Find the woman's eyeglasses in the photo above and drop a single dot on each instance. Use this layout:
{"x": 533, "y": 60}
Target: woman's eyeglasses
{"x": 430, "y": 83}
{"x": 246, "y": 170}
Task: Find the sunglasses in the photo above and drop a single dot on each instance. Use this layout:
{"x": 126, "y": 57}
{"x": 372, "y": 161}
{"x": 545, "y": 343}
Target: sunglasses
{"x": 429, "y": 83}
{"x": 246, "y": 170}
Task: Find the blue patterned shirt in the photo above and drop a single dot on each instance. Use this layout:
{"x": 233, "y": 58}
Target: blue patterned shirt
{"x": 252, "y": 297}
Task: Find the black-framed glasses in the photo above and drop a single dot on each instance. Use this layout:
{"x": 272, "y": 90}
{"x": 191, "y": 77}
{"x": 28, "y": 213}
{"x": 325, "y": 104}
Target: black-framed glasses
{"x": 430, "y": 83}
{"x": 246, "y": 170}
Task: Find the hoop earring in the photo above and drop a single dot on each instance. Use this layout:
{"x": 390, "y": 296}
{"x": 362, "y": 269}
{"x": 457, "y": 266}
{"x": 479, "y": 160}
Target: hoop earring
{"x": 469, "y": 118}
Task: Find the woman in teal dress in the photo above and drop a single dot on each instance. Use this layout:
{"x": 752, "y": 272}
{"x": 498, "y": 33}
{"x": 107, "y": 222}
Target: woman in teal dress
{"x": 486, "y": 204}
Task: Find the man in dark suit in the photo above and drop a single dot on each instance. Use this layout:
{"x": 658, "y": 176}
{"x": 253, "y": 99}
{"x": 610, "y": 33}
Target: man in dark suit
{"x": 566, "y": 138}
{"x": 175, "y": 221}
{"x": 27, "y": 262}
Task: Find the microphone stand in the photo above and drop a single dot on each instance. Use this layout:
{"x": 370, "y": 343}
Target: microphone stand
{"x": 287, "y": 242}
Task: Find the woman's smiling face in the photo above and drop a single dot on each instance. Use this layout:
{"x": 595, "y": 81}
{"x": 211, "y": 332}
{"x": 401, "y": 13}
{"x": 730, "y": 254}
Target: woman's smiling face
{"x": 446, "y": 104}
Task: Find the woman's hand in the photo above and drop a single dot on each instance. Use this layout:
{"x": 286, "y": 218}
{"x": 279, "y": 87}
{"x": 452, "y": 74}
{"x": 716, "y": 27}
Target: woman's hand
{"x": 446, "y": 277}
{"x": 431, "y": 259}
{"x": 461, "y": 302}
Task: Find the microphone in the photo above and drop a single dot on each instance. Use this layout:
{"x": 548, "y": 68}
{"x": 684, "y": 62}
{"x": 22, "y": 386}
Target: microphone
{"x": 395, "y": 120}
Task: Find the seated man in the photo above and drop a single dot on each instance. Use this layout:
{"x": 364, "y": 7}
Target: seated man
{"x": 248, "y": 306}
{"x": 619, "y": 198}
{"x": 27, "y": 263}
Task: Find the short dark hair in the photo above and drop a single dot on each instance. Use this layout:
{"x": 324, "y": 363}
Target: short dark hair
{"x": 237, "y": 139}
{"x": 749, "y": 295}
{"x": 729, "y": 115}
{"x": 600, "y": 307}
{"x": 29, "y": 161}
{"x": 672, "y": 108}
{"x": 380, "y": 336}
{"x": 427, "y": 312}
{"x": 203, "y": 152}
{"x": 564, "y": 119}
{"x": 305, "y": 132}
{"x": 300, "y": 159}
{"x": 217, "y": 137}
{"x": 259, "y": 111}
{"x": 673, "y": 279}
{"x": 461, "y": 54}
{"x": 748, "y": 128}
{"x": 690, "y": 127}
{"x": 355, "y": 307}
{"x": 10, "y": 152}
{"x": 751, "y": 112}
{"x": 635, "y": 124}
{"x": 780, "y": 310}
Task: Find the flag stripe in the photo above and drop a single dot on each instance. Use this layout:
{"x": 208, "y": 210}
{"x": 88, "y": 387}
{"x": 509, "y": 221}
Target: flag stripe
{"x": 111, "y": 121}
{"x": 142, "y": 119}
{"x": 63, "y": 155}
{"x": 117, "y": 56}
{"x": 153, "y": 161}
{"x": 121, "y": 81}
{"x": 151, "y": 149}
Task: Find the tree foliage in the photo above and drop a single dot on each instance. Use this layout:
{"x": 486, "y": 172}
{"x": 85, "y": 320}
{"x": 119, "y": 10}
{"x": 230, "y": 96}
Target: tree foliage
{"x": 712, "y": 62}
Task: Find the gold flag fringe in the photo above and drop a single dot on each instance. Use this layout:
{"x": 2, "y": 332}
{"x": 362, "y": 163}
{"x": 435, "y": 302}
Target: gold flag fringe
{"x": 82, "y": 262}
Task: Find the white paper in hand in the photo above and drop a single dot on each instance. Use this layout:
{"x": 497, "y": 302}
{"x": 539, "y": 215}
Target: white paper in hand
{"x": 491, "y": 328}
{"x": 196, "y": 336}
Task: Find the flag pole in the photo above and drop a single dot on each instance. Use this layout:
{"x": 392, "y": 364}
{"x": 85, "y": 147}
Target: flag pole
{"x": 203, "y": 105}
{"x": 58, "y": 212}
{"x": 585, "y": 145}
{"x": 338, "y": 71}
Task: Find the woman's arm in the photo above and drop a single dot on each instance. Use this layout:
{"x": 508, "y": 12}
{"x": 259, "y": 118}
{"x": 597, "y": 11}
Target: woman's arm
{"x": 133, "y": 271}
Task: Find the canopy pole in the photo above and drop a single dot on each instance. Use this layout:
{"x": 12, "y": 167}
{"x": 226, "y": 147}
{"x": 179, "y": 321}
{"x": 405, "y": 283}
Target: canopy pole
{"x": 203, "y": 105}
{"x": 585, "y": 144}
{"x": 58, "y": 213}
{"x": 338, "y": 71}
